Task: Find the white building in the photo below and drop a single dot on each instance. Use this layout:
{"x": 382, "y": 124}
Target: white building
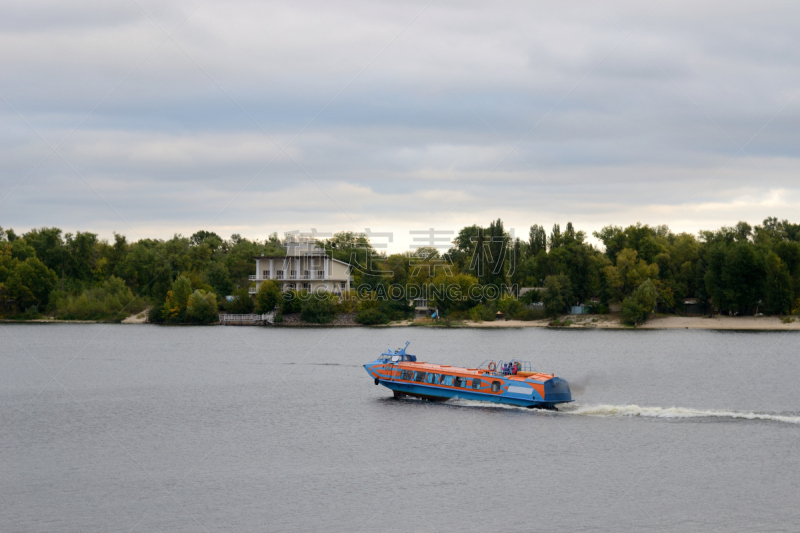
{"x": 306, "y": 267}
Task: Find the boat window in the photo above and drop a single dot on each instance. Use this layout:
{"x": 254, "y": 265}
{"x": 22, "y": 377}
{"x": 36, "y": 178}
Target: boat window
{"x": 420, "y": 377}
{"x": 496, "y": 386}
{"x": 458, "y": 381}
{"x": 447, "y": 380}
{"x": 476, "y": 384}
{"x": 407, "y": 374}
{"x": 432, "y": 378}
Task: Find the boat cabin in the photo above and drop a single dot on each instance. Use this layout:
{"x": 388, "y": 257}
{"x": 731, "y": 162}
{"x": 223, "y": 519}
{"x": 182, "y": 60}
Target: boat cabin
{"x": 398, "y": 355}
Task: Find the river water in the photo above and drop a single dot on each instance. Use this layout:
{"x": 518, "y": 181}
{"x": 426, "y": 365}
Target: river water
{"x": 158, "y": 429}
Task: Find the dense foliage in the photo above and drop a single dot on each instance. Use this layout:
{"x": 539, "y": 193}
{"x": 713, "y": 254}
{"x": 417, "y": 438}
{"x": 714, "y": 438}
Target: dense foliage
{"x": 318, "y": 309}
{"x": 733, "y": 270}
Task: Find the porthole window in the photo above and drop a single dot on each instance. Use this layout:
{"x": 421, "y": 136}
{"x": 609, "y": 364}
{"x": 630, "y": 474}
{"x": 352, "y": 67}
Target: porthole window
{"x": 476, "y": 384}
{"x": 496, "y": 386}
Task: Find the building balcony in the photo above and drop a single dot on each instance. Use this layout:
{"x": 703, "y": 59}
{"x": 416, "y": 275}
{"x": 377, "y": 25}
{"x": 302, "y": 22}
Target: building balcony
{"x": 252, "y": 290}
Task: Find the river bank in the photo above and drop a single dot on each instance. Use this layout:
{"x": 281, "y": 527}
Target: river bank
{"x": 741, "y": 323}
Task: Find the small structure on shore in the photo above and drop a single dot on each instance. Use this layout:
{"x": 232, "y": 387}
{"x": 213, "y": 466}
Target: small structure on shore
{"x": 693, "y": 306}
{"x": 246, "y": 320}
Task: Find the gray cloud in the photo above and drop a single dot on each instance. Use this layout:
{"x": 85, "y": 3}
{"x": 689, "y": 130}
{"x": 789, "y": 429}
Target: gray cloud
{"x": 538, "y": 113}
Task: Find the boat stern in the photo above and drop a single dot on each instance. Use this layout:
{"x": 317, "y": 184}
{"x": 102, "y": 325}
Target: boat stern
{"x": 556, "y": 390}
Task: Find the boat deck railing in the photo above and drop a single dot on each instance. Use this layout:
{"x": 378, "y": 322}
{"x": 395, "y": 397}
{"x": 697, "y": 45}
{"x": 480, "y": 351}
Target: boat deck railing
{"x": 524, "y": 366}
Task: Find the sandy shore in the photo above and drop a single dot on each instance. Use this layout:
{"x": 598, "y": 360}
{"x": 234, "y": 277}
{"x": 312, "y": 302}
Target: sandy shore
{"x": 760, "y": 323}
{"x": 751, "y": 323}
{"x": 139, "y": 318}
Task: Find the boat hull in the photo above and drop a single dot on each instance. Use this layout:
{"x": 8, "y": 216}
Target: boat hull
{"x": 436, "y": 394}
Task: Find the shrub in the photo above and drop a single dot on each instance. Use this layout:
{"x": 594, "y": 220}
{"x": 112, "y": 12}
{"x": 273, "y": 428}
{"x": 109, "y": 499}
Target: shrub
{"x": 483, "y": 312}
{"x": 598, "y": 309}
{"x": 290, "y": 302}
{"x": 111, "y": 301}
{"x": 390, "y": 309}
{"x": 267, "y": 297}
{"x": 348, "y": 303}
{"x": 156, "y": 315}
{"x": 371, "y": 317}
{"x": 32, "y": 313}
{"x": 242, "y": 303}
{"x": 531, "y": 297}
{"x": 370, "y": 302}
{"x": 531, "y": 314}
{"x": 510, "y": 306}
{"x": 318, "y": 309}
{"x": 202, "y": 307}
{"x": 396, "y": 309}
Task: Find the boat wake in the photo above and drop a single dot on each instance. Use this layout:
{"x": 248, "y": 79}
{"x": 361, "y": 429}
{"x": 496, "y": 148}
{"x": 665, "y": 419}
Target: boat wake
{"x": 603, "y": 410}
{"x": 671, "y": 412}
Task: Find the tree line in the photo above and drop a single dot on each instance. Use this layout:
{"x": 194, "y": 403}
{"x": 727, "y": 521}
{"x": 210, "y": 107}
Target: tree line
{"x": 741, "y": 270}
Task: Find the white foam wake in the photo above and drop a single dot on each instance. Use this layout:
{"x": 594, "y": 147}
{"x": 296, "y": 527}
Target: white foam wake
{"x": 670, "y": 412}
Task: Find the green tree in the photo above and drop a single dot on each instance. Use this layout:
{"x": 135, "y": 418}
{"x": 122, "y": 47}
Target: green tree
{"x": 557, "y": 294}
{"x": 21, "y": 250}
{"x": 789, "y": 252}
{"x": 202, "y": 307}
{"x": 638, "y": 306}
{"x": 208, "y": 237}
{"x": 177, "y": 300}
{"x": 537, "y": 240}
{"x": 555, "y": 236}
{"x": 778, "y": 286}
{"x": 742, "y": 278}
{"x": 29, "y": 283}
{"x": 462, "y": 252}
{"x": 453, "y": 293}
{"x": 217, "y": 276}
{"x": 49, "y": 246}
{"x": 81, "y": 255}
{"x": 497, "y": 244}
{"x": 628, "y": 273}
{"x": 267, "y": 297}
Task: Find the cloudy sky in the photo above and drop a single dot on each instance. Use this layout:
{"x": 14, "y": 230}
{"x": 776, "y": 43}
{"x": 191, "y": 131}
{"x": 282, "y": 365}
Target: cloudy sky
{"x": 150, "y": 118}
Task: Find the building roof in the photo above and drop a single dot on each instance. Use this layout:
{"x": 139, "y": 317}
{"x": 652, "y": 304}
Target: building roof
{"x": 282, "y": 257}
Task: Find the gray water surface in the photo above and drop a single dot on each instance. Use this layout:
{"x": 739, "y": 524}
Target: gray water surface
{"x": 144, "y": 428}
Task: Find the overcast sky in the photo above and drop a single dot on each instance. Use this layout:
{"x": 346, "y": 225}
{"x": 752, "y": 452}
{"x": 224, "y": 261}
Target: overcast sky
{"x": 149, "y": 118}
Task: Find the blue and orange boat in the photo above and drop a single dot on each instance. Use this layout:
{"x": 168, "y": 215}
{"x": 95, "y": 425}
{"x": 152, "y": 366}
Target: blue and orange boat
{"x": 509, "y": 382}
